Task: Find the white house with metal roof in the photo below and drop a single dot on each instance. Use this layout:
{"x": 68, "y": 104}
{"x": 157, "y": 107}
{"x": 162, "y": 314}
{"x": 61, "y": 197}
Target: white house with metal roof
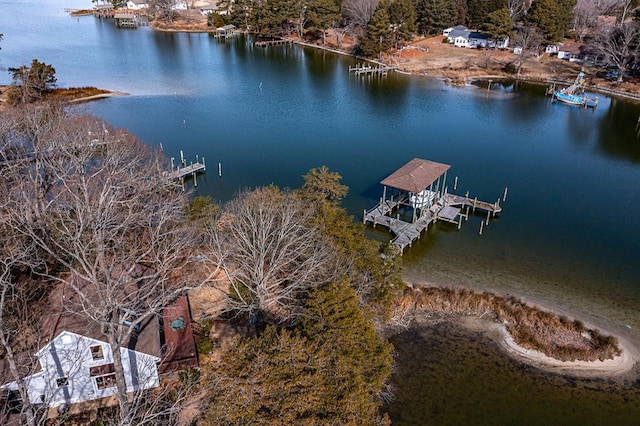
{"x": 76, "y": 368}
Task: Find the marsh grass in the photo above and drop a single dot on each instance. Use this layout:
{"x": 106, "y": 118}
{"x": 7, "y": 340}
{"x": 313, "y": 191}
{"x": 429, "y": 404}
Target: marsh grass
{"x": 554, "y": 335}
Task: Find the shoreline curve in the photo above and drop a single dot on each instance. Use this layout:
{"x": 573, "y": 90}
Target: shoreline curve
{"x": 621, "y": 366}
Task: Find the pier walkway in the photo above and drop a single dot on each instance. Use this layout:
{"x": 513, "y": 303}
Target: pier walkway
{"x": 190, "y": 170}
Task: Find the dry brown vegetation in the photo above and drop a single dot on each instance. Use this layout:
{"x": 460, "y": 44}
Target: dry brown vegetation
{"x": 73, "y": 93}
{"x": 532, "y": 328}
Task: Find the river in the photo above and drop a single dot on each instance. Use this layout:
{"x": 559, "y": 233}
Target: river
{"x": 568, "y": 238}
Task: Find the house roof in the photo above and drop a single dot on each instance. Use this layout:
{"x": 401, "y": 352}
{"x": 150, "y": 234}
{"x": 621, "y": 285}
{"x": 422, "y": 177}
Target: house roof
{"x": 573, "y": 48}
{"x": 459, "y": 31}
{"x": 478, "y": 35}
{"x": 179, "y": 343}
{"x": 416, "y": 175}
{"x": 65, "y": 314}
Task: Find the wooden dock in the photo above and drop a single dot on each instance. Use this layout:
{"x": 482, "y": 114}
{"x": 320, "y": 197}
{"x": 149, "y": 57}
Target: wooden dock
{"x": 364, "y": 69}
{"x": 421, "y": 194}
{"x": 184, "y": 171}
{"x": 449, "y": 208}
{"x": 190, "y": 170}
{"x": 266, "y": 43}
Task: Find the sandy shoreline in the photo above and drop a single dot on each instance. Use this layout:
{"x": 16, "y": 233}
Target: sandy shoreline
{"x": 608, "y": 368}
{"x": 621, "y": 366}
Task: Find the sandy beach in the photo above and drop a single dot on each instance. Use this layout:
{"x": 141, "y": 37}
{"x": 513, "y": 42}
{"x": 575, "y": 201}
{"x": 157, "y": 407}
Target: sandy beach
{"x": 621, "y": 366}
{"x": 618, "y": 366}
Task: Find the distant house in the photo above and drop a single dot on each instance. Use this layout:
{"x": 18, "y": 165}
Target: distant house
{"x": 517, "y": 50}
{"x": 137, "y": 4}
{"x": 76, "y": 368}
{"x": 206, "y": 10}
{"x": 552, "y": 48}
{"x": 180, "y": 5}
{"x": 213, "y": 8}
{"x": 572, "y": 52}
{"x": 447, "y": 32}
{"x": 460, "y": 36}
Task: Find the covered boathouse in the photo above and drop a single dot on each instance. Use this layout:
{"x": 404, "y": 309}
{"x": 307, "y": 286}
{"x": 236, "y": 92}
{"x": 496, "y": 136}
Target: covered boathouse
{"x": 416, "y": 195}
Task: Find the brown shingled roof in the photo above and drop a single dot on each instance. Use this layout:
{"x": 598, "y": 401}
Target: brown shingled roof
{"x": 416, "y": 175}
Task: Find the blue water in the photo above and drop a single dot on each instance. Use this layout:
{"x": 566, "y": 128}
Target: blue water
{"x": 569, "y": 237}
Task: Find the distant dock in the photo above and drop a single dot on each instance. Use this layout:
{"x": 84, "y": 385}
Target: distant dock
{"x": 415, "y": 196}
{"x": 266, "y": 43}
{"x": 364, "y": 69}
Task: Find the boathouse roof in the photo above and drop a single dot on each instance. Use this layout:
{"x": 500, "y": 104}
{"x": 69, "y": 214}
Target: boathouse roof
{"x": 416, "y": 175}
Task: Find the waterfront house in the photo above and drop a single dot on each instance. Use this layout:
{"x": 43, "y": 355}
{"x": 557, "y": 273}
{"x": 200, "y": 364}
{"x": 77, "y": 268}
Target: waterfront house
{"x": 460, "y": 36}
{"x": 76, "y": 368}
{"x": 572, "y": 52}
{"x": 137, "y": 4}
{"x": 76, "y": 365}
{"x": 447, "y": 31}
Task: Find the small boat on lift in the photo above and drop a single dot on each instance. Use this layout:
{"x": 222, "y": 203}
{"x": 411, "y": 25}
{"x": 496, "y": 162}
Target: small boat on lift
{"x": 574, "y": 94}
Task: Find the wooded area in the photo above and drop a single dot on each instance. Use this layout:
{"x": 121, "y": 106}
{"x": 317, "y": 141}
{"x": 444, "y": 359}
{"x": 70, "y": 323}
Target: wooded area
{"x": 87, "y": 211}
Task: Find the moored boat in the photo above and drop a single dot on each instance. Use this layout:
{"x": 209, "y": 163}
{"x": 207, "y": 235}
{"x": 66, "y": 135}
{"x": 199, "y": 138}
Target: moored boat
{"x": 574, "y": 94}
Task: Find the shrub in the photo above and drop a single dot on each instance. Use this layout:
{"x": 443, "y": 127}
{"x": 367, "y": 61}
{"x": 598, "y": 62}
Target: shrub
{"x": 510, "y": 68}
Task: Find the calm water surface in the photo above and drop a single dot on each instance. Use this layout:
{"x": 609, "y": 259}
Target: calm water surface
{"x": 569, "y": 237}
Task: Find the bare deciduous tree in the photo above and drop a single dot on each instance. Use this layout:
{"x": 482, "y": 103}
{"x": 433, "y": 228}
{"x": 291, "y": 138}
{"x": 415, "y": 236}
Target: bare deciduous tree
{"x": 585, "y": 16}
{"x": 272, "y": 253}
{"x": 618, "y": 46}
{"x": 529, "y": 39}
{"x": 359, "y": 12}
{"x": 516, "y": 8}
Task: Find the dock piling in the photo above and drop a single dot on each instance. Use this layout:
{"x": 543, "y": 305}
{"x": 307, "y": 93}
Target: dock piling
{"x": 219, "y": 169}
{"x": 504, "y": 196}
{"x": 455, "y": 184}
{"x": 481, "y": 226}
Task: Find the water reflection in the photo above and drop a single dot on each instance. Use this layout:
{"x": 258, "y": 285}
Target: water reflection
{"x": 619, "y": 131}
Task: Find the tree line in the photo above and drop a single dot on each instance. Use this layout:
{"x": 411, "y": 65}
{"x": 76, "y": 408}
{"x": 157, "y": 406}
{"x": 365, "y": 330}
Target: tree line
{"x": 86, "y": 210}
{"x": 379, "y": 25}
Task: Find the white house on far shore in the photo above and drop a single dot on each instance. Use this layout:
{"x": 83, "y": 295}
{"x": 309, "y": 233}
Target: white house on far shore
{"x": 137, "y": 4}
{"x": 75, "y": 368}
{"x": 461, "y": 36}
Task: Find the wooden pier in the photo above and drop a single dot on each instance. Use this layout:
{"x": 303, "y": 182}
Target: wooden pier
{"x": 419, "y": 198}
{"x": 184, "y": 171}
{"x": 364, "y": 69}
{"x": 266, "y": 43}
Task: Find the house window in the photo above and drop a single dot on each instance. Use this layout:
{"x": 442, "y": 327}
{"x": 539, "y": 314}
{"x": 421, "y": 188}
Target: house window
{"x": 107, "y": 381}
{"x": 62, "y": 381}
{"x": 96, "y": 352}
